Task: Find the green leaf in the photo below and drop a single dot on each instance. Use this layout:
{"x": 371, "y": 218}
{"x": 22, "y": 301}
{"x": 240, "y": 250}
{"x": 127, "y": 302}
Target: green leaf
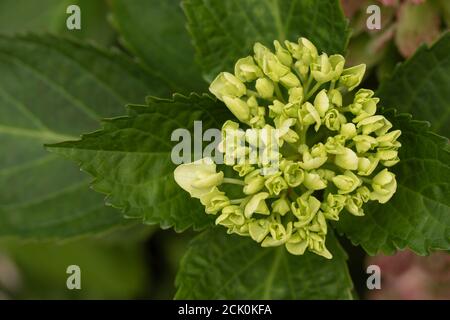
{"x": 130, "y": 159}
{"x": 420, "y": 86}
{"x": 19, "y": 16}
{"x": 222, "y": 266}
{"x": 51, "y": 90}
{"x": 108, "y": 271}
{"x": 224, "y": 31}
{"x": 418, "y": 215}
{"x": 154, "y": 31}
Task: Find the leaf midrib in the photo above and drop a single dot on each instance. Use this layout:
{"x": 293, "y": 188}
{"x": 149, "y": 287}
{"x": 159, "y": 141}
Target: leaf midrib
{"x": 79, "y": 104}
{"x": 48, "y": 135}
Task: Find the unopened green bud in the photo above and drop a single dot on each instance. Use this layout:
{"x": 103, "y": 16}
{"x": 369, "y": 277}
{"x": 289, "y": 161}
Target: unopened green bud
{"x": 313, "y": 181}
{"x": 387, "y": 154}
{"x": 309, "y": 115}
{"x": 228, "y": 85}
{"x": 335, "y": 97}
{"x": 269, "y": 139}
{"x": 354, "y": 205}
{"x": 347, "y": 160}
{"x": 290, "y": 80}
{"x": 293, "y": 174}
{"x": 229, "y": 125}
{"x": 231, "y": 216}
{"x": 265, "y": 88}
{"x": 328, "y": 68}
{"x": 318, "y": 224}
{"x": 259, "y": 229}
{"x": 304, "y": 50}
{"x": 199, "y": 177}
{"x": 297, "y": 244}
{"x": 335, "y": 145}
{"x": 257, "y": 204}
{"x": 243, "y": 169}
{"x": 253, "y": 104}
{"x": 352, "y": 77}
{"x": 390, "y": 163}
{"x": 367, "y": 165}
{"x": 364, "y": 193}
{"x": 238, "y": 107}
{"x": 346, "y": 182}
{"x": 269, "y": 63}
{"x": 276, "y": 108}
{"x": 305, "y": 208}
{"x": 246, "y": 70}
{"x": 290, "y": 110}
{"x": 384, "y": 186}
{"x": 348, "y": 130}
{"x": 302, "y": 67}
{"x": 254, "y": 182}
{"x": 231, "y": 136}
{"x": 378, "y": 124}
{"x": 214, "y": 201}
{"x": 258, "y": 121}
{"x": 284, "y": 132}
{"x": 296, "y": 95}
{"x": 364, "y": 105}
{"x": 318, "y": 247}
{"x": 281, "y": 206}
{"x": 315, "y": 158}
{"x": 321, "y": 102}
{"x": 282, "y": 54}
{"x": 389, "y": 140}
{"x": 364, "y": 143}
{"x": 241, "y": 230}
{"x": 278, "y": 235}
{"x": 333, "y": 206}
{"x": 275, "y": 184}
{"x": 334, "y": 119}
{"x": 326, "y": 174}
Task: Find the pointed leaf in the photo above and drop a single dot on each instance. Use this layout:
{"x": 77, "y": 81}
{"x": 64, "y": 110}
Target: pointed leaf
{"x": 130, "y": 159}
{"x": 51, "y": 90}
{"x": 222, "y": 266}
{"x": 420, "y": 86}
{"x": 224, "y": 31}
{"x": 19, "y": 16}
{"x": 155, "y": 31}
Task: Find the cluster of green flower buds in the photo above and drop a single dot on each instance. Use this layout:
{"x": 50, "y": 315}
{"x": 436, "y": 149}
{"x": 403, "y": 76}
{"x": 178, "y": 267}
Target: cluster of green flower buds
{"x": 329, "y": 155}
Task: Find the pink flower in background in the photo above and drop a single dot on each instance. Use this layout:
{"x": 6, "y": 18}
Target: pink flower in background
{"x": 405, "y": 26}
{"x": 396, "y": 2}
{"x": 406, "y": 276}
{"x": 388, "y": 2}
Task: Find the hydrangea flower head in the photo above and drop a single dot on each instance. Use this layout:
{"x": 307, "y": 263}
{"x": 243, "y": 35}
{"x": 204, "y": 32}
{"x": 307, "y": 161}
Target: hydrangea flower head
{"x": 303, "y": 156}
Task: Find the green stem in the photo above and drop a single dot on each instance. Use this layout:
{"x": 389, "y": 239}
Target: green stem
{"x": 237, "y": 201}
{"x": 252, "y": 93}
{"x": 366, "y": 180}
{"x": 332, "y": 84}
{"x": 278, "y": 92}
{"x": 300, "y": 76}
{"x": 292, "y": 195}
{"x": 313, "y": 90}
{"x": 308, "y": 83}
{"x": 233, "y": 181}
{"x": 303, "y": 135}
